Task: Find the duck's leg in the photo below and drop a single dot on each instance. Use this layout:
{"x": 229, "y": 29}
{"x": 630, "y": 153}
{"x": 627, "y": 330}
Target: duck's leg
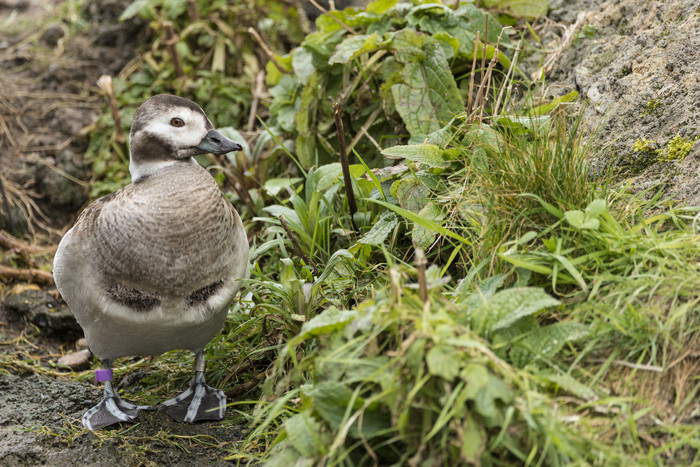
{"x": 112, "y": 409}
{"x": 199, "y": 401}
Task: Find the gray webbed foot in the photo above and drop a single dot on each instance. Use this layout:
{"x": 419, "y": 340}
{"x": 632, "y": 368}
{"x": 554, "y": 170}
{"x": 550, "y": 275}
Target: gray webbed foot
{"x": 198, "y": 403}
{"x": 111, "y": 409}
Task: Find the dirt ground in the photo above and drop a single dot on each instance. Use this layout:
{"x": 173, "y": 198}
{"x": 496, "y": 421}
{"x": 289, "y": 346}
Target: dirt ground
{"x": 636, "y": 63}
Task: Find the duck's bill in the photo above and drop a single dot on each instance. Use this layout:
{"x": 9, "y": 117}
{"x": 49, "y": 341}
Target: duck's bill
{"x": 216, "y": 143}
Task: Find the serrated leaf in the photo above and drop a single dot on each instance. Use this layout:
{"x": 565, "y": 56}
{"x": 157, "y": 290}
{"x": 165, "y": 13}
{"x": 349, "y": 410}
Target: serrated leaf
{"x": 381, "y": 229}
{"x": 353, "y": 47}
{"x": 444, "y": 361}
{"x": 508, "y": 306}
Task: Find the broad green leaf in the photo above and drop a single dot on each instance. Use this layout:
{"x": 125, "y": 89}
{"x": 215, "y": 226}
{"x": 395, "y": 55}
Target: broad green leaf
{"x": 380, "y": 230}
{"x": 411, "y": 193}
{"x": 421, "y": 236}
{"x": 596, "y": 207}
{"x": 303, "y": 433}
{"x": 326, "y": 175}
{"x": 473, "y": 440}
{"x": 327, "y": 322}
{"x": 476, "y": 376}
{"x": 422, "y": 221}
{"x": 331, "y": 400}
{"x": 380, "y": 6}
{"x": 137, "y": 7}
{"x": 427, "y": 154}
{"x": 274, "y": 185}
{"x": 443, "y": 361}
{"x": 520, "y": 8}
{"x": 302, "y": 63}
{"x": 289, "y": 215}
{"x": 353, "y": 47}
{"x": 579, "y": 220}
{"x": 508, "y": 306}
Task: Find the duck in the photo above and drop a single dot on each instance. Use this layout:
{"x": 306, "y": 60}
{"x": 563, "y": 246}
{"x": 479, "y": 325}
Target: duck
{"x": 155, "y": 265}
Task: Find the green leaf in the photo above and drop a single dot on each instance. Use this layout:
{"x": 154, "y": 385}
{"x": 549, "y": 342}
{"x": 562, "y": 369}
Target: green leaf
{"x": 380, "y": 6}
{"x": 443, "y": 361}
{"x": 427, "y": 154}
{"x": 274, "y": 185}
{"x": 508, "y": 306}
{"x": 332, "y": 399}
{"x": 421, "y": 236}
{"x": 411, "y": 193}
{"x": 353, "y": 47}
{"x": 326, "y": 175}
{"x": 137, "y": 7}
{"x": 303, "y": 433}
{"x": 422, "y": 221}
{"x": 579, "y": 220}
{"x": 302, "y": 63}
{"x": 549, "y": 106}
{"x": 520, "y": 8}
{"x": 381, "y": 229}
{"x": 327, "y": 322}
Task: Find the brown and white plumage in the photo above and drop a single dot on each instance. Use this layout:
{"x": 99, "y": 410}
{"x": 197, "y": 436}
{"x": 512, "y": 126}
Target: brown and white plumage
{"x": 155, "y": 265}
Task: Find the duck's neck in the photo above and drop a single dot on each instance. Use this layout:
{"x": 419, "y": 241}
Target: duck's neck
{"x": 142, "y": 170}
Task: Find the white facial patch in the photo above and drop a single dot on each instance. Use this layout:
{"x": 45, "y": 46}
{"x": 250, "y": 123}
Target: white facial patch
{"x": 189, "y": 135}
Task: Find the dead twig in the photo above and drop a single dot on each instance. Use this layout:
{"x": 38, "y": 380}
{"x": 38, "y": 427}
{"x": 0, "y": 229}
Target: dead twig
{"x": 38, "y": 276}
{"x": 470, "y": 97}
{"x": 245, "y": 387}
{"x": 257, "y": 94}
{"x": 266, "y": 49}
{"x": 170, "y": 42}
{"x": 105, "y": 84}
{"x": 12, "y": 243}
{"x": 6, "y": 203}
{"x": 326, "y": 12}
{"x": 344, "y": 164}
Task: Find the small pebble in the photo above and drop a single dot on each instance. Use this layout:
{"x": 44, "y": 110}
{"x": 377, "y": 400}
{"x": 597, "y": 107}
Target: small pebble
{"x": 76, "y": 360}
{"x": 81, "y": 344}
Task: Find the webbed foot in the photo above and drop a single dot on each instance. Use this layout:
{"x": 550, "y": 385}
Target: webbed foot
{"x": 111, "y": 409}
{"x": 199, "y": 402}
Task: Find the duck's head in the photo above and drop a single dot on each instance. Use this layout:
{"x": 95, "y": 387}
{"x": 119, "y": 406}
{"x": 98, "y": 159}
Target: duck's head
{"x": 169, "y": 128}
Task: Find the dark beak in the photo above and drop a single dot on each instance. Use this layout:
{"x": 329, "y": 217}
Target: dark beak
{"x": 216, "y": 143}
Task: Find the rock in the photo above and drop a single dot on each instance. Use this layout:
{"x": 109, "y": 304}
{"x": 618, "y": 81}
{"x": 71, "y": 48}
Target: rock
{"x": 78, "y": 360}
{"x": 52, "y": 35}
{"x": 81, "y": 344}
{"x": 42, "y": 310}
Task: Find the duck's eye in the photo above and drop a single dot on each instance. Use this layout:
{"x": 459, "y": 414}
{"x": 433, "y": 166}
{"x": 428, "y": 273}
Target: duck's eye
{"x": 177, "y": 122}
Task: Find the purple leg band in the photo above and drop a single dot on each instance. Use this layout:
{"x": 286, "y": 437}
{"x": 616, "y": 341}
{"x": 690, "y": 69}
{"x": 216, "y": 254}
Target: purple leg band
{"x": 103, "y": 375}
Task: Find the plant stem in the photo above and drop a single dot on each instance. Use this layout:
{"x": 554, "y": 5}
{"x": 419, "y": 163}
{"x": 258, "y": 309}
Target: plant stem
{"x": 344, "y": 164}
{"x": 170, "y": 42}
{"x": 421, "y": 262}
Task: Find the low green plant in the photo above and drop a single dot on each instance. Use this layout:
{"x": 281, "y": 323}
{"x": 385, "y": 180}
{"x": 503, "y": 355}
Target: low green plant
{"x": 396, "y": 380}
